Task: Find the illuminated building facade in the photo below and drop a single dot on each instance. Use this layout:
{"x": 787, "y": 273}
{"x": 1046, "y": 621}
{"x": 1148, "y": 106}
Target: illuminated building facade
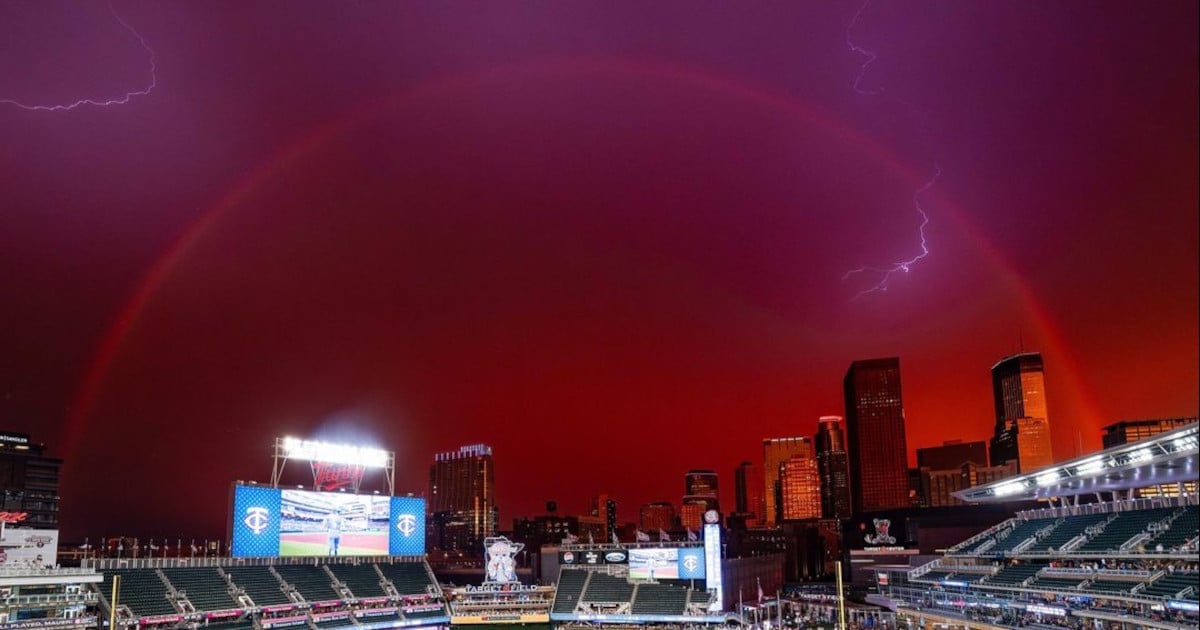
{"x": 1128, "y": 431}
{"x": 1022, "y": 431}
{"x": 877, "y": 445}
{"x": 462, "y": 498}
{"x": 833, "y": 467}
{"x": 937, "y": 486}
{"x": 799, "y": 489}
{"x": 775, "y": 452}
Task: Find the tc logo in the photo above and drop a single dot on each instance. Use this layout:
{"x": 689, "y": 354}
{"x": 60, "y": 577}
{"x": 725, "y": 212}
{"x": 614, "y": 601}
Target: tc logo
{"x": 690, "y": 563}
{"x": 257, "y": 519}
{"x": 407, "y": 524}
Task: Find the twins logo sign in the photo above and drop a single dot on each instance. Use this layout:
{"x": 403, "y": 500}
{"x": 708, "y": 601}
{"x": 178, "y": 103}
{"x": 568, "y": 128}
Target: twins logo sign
{"x": 691, "y": 563}
{"x": 407, "y": 524}
{"x": 257, "y": 519}
{"x": 881, "y": 537}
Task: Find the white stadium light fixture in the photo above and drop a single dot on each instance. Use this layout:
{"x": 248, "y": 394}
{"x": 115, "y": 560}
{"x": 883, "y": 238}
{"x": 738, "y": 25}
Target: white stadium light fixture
{"x": 1089, "y": 467}
{"x": 1048, "y": 478}
{"x": 1012, "y": 487}
{"x": 295, "y": 448}
{"x": 1140, "y": 455}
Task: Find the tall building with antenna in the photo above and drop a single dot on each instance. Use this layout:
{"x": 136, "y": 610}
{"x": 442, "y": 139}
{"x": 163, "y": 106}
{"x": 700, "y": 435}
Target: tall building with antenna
{"x": 1022, "y": 432}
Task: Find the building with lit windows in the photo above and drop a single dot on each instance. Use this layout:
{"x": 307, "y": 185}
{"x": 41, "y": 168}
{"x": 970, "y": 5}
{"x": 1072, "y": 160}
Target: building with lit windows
{"x": 877, "y": 445}
{"x": 29, "y": 480}
{"x": 799, "y": 489}
{"x": 833, "y": 467}
{"x": 1128, "y": 431}
{"x": 1022, "y": 432}
{"x": 462, "y": 498}
{"x": 938, "y": 486}
{"x": 655, "y": 516}
{"x": 775, "y": 452}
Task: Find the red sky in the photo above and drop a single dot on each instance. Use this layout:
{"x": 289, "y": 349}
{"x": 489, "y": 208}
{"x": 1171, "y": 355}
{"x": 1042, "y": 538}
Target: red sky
{"x": 607, "y": 239}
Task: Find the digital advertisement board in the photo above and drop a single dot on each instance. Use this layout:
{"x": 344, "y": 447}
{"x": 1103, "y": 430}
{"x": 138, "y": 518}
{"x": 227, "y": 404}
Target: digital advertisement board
{"x": 29, "y": 547}
{"x": 269, "y": 522}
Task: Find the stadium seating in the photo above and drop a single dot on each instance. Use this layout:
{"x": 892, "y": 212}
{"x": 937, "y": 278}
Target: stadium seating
{"x": 1114, "y": 587}
{"x": 141, "y": 590}
{"x": 362, "y": 579}
{"x": 1056, "y": 583}
{"x": 606, "y": 588}
{"x": 1183, "y": 529}
{"x": 1065, "y": 531}
{"x": 409, "y": 578}
{"x": 310, "y": 581}
{"x": 1171, "y": 585}
{"x": 1014, "y": 575}
{"x": 1019, "y": 534}
{"x": 1123, "y": 528}
{"x": 698, "y": 597}
{"x": 260, "y": 584}
{"x": 570, "y": 588}
{"x": 205, "y": 588}
{"x": 660, "y": 599}
{"x": 934, "y": 576}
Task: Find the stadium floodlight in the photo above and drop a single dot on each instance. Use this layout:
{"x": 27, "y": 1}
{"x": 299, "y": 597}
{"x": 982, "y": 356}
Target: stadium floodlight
{"x": 1012, "y": 487}
{"x": 295, "y": 448}
{"x": 1184, "y": 443}
{"x": 1140, "y": 455}
{"x": 1091, "y": 466}
{"x": 1048, "y": 478}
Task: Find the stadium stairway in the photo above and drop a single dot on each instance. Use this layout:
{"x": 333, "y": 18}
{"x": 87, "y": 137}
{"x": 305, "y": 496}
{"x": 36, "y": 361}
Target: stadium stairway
{"x": 1065, "y": 531}
{"x": 311, "y": 582}
{"x": 205, "y": 588}
{"x": 1123, "y": 528}
{"x": 260, "y": 584}
{"x": 571, "y": 584}
{"x": 1183, "y": 528}
{"x": 1017, "y": 535}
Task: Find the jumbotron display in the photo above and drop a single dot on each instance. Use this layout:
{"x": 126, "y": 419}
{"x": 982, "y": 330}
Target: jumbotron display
{"x": 270, "y": 522}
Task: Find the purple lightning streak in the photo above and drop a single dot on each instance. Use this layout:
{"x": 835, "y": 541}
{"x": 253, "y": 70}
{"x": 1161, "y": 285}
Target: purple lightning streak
{"x": 122, "y": 100}
{"x": 869, "y": 57}
{"x": 885, "y": 273}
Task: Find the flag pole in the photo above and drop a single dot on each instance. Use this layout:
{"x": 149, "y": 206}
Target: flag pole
{"x": 840, "y": 598}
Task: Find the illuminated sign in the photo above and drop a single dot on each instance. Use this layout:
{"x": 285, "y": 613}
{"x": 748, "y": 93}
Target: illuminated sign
{"x": 13, "y": 517}
{"x": 712, "y": 557}
{"x": 500, "y": 566}
{"x": 881, "y": 535}
{"x": 1185, "y": 606}
{"x": 295, "y": 448}
{"x": 1046, "y": 610}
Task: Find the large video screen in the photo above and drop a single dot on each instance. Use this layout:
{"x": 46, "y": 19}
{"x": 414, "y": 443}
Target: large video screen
{"x": 29, "y": 547}
{"x": 660, "y": 563}
{"x": 269, "y": 522}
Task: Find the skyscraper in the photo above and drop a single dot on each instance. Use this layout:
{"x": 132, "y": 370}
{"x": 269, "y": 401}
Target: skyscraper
{"x": 833, "y": 468}
{"x": 462, "y": 498}
{"x": 748, "y": 491}
{"x": 1022, "y": 424}
{"x": 605, "y": 507}
{"x": 701, "y": 483}
{"x": 877, "y": 446}
{"x": 775, "y": 452}
{"x": 1128, "y": 431}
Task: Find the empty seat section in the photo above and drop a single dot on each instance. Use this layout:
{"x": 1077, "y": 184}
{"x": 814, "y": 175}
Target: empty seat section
{"x": 409, "y": 578}
{"x": 141, "y": 590}
{"x": 934, "y": 576}
{"x": 1184, "y": 528}
{"x": 1056, "y": 583}
{"x": 1065, "y": 531}
{"x": 570, "y": 587}
{"x": 1170, "y": 585}
{"x": 1112, "y": 586}
{"x": 204, "y": 587}
{"x": 606, "y": 588}
{"x": 362, "y": 579}
{"x": 260, "y": 584}
{"x": 1013, "y": 575}
{"x": 660, "y": 599}
{"x": 310, "y": 581}
{"x": 1019, "y": 534}
{"x": 1123, "y": 528}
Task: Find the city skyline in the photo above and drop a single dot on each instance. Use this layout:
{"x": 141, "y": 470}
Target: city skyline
{"x": 615, "y": 242}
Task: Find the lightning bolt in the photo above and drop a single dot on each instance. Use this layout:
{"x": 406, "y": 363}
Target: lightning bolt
{"x": 121, "y": 100}
{"x": 884, "y": 275}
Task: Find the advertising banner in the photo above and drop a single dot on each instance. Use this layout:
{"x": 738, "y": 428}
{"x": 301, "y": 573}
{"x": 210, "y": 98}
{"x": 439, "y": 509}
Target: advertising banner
{"x": 691, "y": 563}
{"x": 255, "y": 531}
{"x": 29, "y": 547}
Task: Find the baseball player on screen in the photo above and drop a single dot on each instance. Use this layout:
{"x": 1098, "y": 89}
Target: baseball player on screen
{"x": 333, "y": 523}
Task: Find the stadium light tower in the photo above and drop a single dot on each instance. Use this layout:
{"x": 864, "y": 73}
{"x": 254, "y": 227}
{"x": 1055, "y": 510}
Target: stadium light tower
{"x": 334, "y": 466}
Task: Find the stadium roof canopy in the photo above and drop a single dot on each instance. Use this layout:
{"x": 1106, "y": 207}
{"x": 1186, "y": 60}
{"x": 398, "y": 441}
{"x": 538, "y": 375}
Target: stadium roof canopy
{"x": 1163, "y": 459}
